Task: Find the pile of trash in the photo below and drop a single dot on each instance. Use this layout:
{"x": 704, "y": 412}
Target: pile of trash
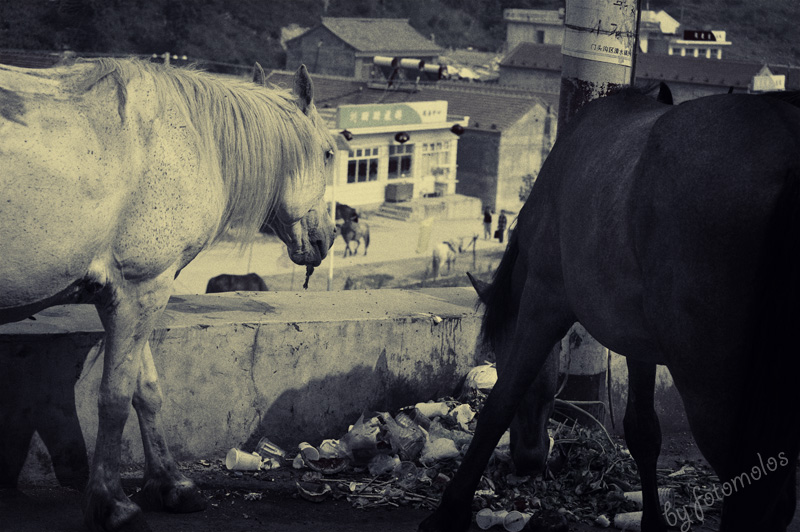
{"x": 407, "y": 459}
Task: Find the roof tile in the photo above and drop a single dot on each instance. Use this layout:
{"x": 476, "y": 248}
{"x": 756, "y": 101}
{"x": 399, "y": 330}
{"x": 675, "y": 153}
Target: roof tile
{"x": 380, "y": 35}
{"x": 485, "y": 106}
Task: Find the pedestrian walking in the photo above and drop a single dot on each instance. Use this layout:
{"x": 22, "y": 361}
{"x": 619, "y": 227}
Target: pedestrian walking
{"x": 501, "y": 226}
{"x": 487, "y": 224}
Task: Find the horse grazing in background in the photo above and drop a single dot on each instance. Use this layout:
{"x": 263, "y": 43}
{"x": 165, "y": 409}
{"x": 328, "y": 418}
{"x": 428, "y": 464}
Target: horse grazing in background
{"x": 251, "y": 282}
{"x": 346, "y": 212}
{"x": 115, "y": 174}
{"x": 355, "y": 232}
{"x": 672, "y": 234}
{"x": 444, "y": 253}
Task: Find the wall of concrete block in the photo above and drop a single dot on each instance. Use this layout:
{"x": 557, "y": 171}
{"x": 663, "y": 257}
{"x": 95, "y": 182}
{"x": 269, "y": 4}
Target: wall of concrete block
{"x": 240, "y": 366}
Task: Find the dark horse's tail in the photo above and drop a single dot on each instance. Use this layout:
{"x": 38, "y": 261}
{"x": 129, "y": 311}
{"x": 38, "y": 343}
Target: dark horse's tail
{"x": 769, "y": 426}
{"x": 498, "y": 296}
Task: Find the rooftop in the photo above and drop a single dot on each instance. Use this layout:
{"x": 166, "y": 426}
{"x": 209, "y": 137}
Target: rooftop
{"x": 660, "y": 67}
{"x": 489, "y": 108}
{"x": 380, "y": 35}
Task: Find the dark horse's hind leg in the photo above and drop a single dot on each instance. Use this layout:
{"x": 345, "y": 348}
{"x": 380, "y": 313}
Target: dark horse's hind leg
{"x": 643, "y": 436}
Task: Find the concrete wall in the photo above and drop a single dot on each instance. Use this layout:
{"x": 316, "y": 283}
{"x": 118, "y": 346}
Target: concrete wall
{"x": 322, "y": 52}
{"x": 683, "y": 92}
{"x": 546, "y": 81}
{"x": 549, "y": 82}
{"x": 517, "y": 32}
{"x": 478, "y": 161}
{"x": 237, "y": 367}
{"x": 520, "y": 154}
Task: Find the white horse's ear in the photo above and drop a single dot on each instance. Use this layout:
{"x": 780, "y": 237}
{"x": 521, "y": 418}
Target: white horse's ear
{"x": 259, "y": 77}
{"x": 304, "y": 89}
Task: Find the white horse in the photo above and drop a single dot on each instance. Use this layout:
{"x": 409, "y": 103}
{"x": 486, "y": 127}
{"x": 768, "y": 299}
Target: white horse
{"x": 444, "y": 253}
{"x": 115, "y": 174}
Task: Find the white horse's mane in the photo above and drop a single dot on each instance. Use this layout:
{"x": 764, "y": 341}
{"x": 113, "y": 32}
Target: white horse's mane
{"x": 261, "y": 139}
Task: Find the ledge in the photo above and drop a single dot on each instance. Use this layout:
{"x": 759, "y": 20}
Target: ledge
{"x": 236, "y": 367}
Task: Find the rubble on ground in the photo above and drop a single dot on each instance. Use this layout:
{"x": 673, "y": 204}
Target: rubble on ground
{"x": 407, "y": 459}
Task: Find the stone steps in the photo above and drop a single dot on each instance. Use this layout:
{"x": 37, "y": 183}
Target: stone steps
{"x": 396, "y": 211}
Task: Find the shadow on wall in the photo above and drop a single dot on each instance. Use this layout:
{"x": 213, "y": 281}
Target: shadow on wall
{"x": 324, "y": 408}
{"x": 37, "y": 394}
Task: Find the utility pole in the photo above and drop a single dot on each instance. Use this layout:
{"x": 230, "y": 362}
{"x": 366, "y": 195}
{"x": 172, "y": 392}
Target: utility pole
{"x": 598, "y": 51}
{"x": 599, "y": 55}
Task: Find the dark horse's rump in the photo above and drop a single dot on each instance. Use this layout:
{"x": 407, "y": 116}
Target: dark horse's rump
{"x": 671, "y": 233}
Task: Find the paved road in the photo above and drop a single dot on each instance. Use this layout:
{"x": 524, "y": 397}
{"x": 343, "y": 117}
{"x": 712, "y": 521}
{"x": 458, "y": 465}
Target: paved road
{"x": 390, "y": 240}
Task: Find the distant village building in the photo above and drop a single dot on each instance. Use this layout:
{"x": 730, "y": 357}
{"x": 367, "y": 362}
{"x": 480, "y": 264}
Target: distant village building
{"x": 659, "y": 33}
{"x": 538, "y": 26}
{"x": 397, "y": 151}
{"x": 348, "y": 46}
{"x": 537, "y": 67}
{"x": 506, "y": 135}
{"x": 766, "y": 81}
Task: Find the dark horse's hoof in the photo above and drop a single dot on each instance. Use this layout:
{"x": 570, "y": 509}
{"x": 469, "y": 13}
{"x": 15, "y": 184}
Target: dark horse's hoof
{"x": 178, "y": 497}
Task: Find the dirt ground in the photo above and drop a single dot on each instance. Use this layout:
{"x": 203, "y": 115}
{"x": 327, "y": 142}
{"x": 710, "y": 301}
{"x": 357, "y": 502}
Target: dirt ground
{"x": 397, "y": 273}
{"x": 394, "y": 259}
{"x": 263, "y": 501}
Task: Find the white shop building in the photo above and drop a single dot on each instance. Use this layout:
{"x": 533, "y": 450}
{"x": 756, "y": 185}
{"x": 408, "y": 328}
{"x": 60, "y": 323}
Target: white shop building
{"x": 395, "y": 152}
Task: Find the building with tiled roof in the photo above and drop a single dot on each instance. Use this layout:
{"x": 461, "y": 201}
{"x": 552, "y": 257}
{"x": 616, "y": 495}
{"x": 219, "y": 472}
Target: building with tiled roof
{"x": 506, "y": 136}
{"x": 347, "y": 46}
{"x": 537, "y": 67}
{"x": 658, "y": 33}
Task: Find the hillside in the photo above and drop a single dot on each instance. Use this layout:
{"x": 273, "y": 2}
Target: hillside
{"x": 244, "y": 31}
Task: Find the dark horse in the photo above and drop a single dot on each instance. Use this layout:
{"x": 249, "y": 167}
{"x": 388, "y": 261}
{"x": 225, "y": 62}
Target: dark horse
{"x": 346, "y": 212}
{"x": 251, "y": 282}
{"x": 355, "y": 232}
{"x": 672, "y": 235}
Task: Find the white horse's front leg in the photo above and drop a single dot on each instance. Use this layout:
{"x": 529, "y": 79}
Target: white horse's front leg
{"x": 165, "y": 487}
{"x": 128, "y": 311}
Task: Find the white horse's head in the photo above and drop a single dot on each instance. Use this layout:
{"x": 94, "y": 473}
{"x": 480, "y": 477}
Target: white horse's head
{"x": 301, "y": 218}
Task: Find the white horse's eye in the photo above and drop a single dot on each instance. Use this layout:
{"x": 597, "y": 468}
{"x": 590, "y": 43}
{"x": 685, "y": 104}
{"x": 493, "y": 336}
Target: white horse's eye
{"x": 329, "y": 155}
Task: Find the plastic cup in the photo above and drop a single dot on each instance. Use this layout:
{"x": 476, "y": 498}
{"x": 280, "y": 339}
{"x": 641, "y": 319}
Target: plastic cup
{"x": 664, "y": 495}
{"x": 515, "y": 521}
{"x": 308, "y": 451}
{"x": 487, "y": 518}
{"x": 268, "y": 449}
{"x": 241, "y": 461}
{"x": 433, "y": 409}
{"x": 631, "y": 521}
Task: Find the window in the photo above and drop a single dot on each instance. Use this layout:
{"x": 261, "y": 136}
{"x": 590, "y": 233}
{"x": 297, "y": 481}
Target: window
{"x": 400, "y": 159}
{"x": 436, "y": 157}
{"x": 539, "y": 37}
{"x": 362, "y": 165}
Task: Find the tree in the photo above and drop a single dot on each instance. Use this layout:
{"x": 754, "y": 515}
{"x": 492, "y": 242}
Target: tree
{"x": 527, "y": 185}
